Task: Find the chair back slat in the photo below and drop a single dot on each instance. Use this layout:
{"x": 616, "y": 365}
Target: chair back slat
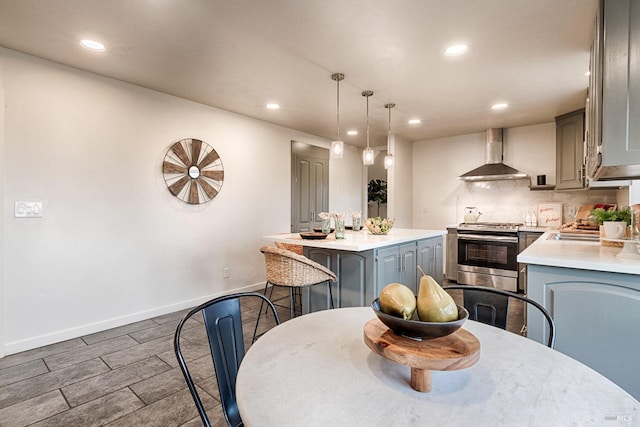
{"x": 223, "y": 324}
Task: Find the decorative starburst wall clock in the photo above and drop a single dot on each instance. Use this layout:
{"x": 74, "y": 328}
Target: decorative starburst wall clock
{"x": 193, "y": 171}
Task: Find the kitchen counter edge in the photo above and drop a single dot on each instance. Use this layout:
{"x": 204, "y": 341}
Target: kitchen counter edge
{"x": 357, "y": 241}
{"x": 577, "y": 254}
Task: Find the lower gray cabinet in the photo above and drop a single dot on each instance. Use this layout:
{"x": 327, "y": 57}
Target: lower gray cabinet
{"x": 362, "y": 275}
{"x": 596, "y": 316}
{"x": 355, "y": 282}
{"x": 396, "y": 264}
{"x": 430, "y": 258}
{"x": 525, "y": 239}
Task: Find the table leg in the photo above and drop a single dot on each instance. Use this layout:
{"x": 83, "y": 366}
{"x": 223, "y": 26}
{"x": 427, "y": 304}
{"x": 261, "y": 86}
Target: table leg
{"x": 421, "y": 380}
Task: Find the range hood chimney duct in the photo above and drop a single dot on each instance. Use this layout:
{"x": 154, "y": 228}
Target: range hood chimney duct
{"x": 493, "y": 169}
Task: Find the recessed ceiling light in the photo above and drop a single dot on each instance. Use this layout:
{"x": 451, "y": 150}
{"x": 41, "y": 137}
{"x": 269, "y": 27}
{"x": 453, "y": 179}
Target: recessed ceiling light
{"x": 499, "y": 106}
{"x": 273, "y": 106}
{"x": 92, "y": 45}
{"x": 414, "y": 121}
{"x": 352, "y": 132}
{"x": 456, "y": 49}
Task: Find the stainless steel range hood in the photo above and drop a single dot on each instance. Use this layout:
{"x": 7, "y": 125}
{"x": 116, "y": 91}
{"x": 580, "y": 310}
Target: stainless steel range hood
{"x": 493, "y": 169}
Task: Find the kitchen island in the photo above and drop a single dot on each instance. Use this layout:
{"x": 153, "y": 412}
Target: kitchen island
{"x": 364, "y": 263}
{"x": 594, "y": 298}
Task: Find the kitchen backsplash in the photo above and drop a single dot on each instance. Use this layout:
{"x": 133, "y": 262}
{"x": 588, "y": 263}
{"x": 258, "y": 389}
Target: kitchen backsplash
{"x": 511, "y": 200}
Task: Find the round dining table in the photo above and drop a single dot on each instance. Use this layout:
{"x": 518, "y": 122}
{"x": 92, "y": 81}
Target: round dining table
{"x": 316, "y": 370}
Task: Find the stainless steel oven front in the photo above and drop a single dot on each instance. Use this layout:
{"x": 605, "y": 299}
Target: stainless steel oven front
{"x": 488, "y": 258}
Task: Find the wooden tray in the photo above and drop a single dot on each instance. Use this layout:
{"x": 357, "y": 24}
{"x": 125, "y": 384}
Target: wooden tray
{"x": 456, "y": 351}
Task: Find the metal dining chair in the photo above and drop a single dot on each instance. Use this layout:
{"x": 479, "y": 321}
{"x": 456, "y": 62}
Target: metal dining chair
{"x": 223, "y": 324}
{"x": 491, "y": 306}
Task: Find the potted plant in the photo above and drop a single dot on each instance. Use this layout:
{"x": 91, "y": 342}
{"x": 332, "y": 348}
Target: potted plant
{"x": 623, "y": 214}
{"x": 377, "y": 192}
{"x": 613, "y": 222}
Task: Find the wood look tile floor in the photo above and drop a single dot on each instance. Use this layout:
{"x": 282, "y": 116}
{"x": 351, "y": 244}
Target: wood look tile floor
{"x": 126, "y": 376}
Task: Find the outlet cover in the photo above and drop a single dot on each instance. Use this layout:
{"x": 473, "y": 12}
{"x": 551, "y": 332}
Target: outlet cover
{"x": 28, "y": 210}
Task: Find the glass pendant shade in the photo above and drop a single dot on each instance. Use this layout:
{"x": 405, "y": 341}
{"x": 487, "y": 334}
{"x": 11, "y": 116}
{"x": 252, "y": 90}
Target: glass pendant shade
{"x": 388, "y": 161}
{"x": 337, "y": 149}
{"x": 368, "y": 156}
{"x": 337, "y": 146}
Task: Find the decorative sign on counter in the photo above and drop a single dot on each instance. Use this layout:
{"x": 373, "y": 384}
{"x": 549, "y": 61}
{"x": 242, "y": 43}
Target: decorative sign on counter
{"x": 550, "y": 215}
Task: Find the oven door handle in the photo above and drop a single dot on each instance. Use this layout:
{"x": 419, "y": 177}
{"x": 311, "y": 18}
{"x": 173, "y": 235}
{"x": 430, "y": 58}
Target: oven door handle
{"x": 483, "y": 237}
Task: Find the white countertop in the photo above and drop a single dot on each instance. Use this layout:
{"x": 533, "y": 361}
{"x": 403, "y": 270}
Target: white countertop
{"x": 316, "y": 370}
{"x": 533, "y": 229}
{"x": 358, "y": 241}
{"x": 577, "y": 254}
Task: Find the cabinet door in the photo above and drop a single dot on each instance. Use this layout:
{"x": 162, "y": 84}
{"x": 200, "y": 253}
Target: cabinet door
{"x": 387, "y": 266}
{"x": 315, "y": 298}
{"x": 407, "y": 271}
{"x": 525, "y": 239}
{"x": 430, "y": 257}
{"x": 355, "y": 283}
{"x": 621, "y": 86}
{"x": 570, "y": 150}
{"x": 596, "y": 314}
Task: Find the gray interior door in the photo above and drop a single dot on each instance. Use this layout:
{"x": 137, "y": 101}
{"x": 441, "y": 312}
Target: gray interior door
{"x": 310, "y": 186}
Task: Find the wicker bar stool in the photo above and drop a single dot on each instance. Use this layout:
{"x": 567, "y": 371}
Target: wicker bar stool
{"x": 288, "y": 269}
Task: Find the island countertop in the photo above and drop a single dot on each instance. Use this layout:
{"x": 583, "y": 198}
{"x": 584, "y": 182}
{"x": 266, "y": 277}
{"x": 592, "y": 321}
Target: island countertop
{"x": 358, "y": 241}
{"x": 583, "y": 255}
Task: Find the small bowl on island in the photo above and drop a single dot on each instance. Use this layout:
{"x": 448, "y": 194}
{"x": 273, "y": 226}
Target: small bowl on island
{"x": 379, "y": 225}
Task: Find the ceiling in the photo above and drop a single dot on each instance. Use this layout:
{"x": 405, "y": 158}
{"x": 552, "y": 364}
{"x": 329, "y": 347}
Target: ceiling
{"x": 239, "y": 55}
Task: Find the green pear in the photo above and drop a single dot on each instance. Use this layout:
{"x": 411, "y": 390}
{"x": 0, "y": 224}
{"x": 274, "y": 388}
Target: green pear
{"x": 397, "y": 300}
{"x": 434, "y": 303}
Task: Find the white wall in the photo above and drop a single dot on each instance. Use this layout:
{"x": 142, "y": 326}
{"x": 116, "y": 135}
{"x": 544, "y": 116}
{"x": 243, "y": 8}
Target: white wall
{"x": 114, "y": 246}
{"x": 2, "y": 215}
{"x": 400, "y": 182}
{"x": 345, "y": 183}
{"x": 437, "y": 164}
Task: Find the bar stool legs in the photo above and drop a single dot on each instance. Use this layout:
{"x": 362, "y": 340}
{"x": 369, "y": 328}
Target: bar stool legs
{"x": 295, "y": 300}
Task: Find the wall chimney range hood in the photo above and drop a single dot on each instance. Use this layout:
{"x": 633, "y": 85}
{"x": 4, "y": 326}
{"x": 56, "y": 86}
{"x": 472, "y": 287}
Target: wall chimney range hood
{"x": 493, "y": 169}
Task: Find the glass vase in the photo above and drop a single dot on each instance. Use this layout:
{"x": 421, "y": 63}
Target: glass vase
{"x": 339, "y": 233}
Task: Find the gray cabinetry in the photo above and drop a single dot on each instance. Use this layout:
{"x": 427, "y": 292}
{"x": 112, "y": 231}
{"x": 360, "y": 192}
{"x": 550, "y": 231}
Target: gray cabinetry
{"x": 613, "y": 140}
{"x": 570, "y": 151}
{"x": 355, "y": 282}
{"x": 525, "y": 239}
{"x": 430, "y": 258}
{"x": 396, "y": 264}
{"x": 361, "y": 275}
{"x": 452, "y": 255}
{"x": 596, "y": 315}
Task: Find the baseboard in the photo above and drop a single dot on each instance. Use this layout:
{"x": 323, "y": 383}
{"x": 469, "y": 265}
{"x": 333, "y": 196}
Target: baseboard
{"x": 91, "y": 328}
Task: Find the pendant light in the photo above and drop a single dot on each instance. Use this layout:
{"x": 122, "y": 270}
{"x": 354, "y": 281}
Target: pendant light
{"x": 337, "y": 146}
{"x": 388, "y": 159}
{"x": 367, "y": 155}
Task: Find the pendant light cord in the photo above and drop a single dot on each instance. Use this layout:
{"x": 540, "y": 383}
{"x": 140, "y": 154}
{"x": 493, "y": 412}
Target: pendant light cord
{"x": 389, "y": 107}
{"x": 367, "y": 93}
{"x": 338, "y": 77}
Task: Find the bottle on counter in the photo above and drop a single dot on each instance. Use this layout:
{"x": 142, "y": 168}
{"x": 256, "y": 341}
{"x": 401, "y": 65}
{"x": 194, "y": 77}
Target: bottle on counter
{"x": 527, "y": 221}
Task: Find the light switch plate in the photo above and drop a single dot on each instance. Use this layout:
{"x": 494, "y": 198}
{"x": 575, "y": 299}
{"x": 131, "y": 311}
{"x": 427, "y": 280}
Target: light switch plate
{"x": 28, "y": 210}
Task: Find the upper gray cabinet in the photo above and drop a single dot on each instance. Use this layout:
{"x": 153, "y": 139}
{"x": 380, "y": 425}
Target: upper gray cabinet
{"x": 570, "y": 151}
{"x": 613, "y": 130}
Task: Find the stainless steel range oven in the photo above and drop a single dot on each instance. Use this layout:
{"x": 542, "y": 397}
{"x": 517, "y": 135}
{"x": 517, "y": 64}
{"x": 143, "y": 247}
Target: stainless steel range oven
{"x": 487, "y": 255}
